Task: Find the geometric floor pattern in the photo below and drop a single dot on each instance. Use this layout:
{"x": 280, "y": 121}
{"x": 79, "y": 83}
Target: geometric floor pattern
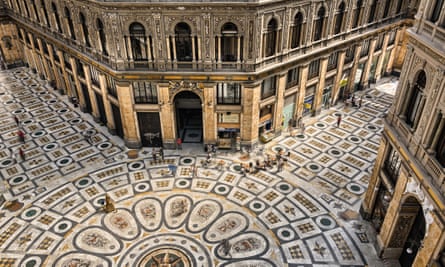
{"x": 181, "y": 210}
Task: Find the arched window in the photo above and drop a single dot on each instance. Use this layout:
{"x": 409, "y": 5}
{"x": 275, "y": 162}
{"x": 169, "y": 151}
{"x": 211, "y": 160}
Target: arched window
{"x": 399, "y": 6}
{"x": 102, "y": 37}
{"x": 440, "y": 137}
{"x": 84, "y": 26}
{"x": 271, "y": 38}
{"x": 70, "y": 23}
{"x": 297, "y": 30}
{"x": 318, "y": 24}
{"x": 183, "y": 42}
{"x": 372, "y": 11}
{"x": 416, "y": 101}
{"x": 436, "y": 10}
{"x": 339, "y": 18}
{"x": 229, "y": 42}
{"x": 138, "y": 42}
{"x": 357, "y": 13}
{"x": 56, "y": 17}
{"x": 387, "y": 8}
{"x": 45, "y": 13}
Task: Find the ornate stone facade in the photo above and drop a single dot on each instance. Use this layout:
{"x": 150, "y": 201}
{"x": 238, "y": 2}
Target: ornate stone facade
{"x": 292, "y": 57}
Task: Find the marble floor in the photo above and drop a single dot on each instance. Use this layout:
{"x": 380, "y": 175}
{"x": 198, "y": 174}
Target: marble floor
{"x": 180, "y": 211}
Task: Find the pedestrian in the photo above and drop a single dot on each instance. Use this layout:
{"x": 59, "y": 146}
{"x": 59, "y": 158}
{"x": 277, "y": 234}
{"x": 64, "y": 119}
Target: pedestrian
{"x": 11, "y": 152}
{"x": 179, "y": 143}
{"x": 21, "y": 136}
{"x": 153, "y": 154}
{"x": 303, "y": 127}
{"x": 22, "y": 154}
{"x": 338, "y": 120}
{"x": 16, "y": 120}
{"x": 360, "y": 102}
{"x": 226, "y": 246}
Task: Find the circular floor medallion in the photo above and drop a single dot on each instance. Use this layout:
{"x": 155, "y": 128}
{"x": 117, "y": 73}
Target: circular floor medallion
{"x": 284, "y": 187}
{"x": 335, "y": 152}
{"x": 285, "y": 234}
{"x": 38, "y": 133}
{"x": 187, "y": 161}
{"x": 10, "y": 102}
{"x": 64, "y": 161}
{"x": 325, "y": 222}
{"x": 142, "y": 187}
{"x": 17, "y": 180}
{"x": 137, "y": 165}
{"x": 75, "y": 121}
{"x": 355, "y": 188}
{"x": 28, "y": 121}
{"x": 6, "y": 163}
{"x": 320, "y": 125}
{"x": 52, "y": 101}
{"x": 257, "y": 206}
{"x": 18, "y": 111}
{"x": 182, "y": 183}
{"x": 31, "y": 213}
{"x": 63, "y": 226}
{"x": 33, "y": 261}
{"x": 354, "y": 139}
{"x": 222, "y": 189}
{"x": 63, "y": 110}
{"x": 83, "y": 182}
{"x": 314, "y": 167}
{"x": 50, "y": 146}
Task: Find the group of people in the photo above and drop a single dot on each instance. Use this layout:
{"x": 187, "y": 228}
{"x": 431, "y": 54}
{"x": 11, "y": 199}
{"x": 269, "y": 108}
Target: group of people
{"x": 354, "y": 101}
{"x": 269, "y": 161}
{"x": 21, "y": 137}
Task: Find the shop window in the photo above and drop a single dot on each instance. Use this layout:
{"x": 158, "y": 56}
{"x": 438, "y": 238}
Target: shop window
{"x": 293, "y": 77}
{"x": 392, "y": 165}
{"x": 79, "y": 68}
{"x": 332, "y": 61}
{"x": 365, "y": 48}
{"x": 319, "y": 24}
{"x": 268, "y": 87}
{"x": 229, "y": 93}
{"x": 435, "y": 15}
{"x": 95, "y": 77}
{"x": 297, "y": 30}
{"x": 145, "y": 93}
{"x": 349, "y": 56}
{"x": 314, "y": 69}
{"x": 392, "y": 38}
{"x": 271, "y": 38}
{"x": 111, "y": 86}
{"x": 416, "y": 101}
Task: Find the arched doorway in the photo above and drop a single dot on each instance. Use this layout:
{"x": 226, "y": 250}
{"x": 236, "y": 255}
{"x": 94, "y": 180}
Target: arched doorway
{"x": 412, "y": 213}
{"x": 188, "y": 111}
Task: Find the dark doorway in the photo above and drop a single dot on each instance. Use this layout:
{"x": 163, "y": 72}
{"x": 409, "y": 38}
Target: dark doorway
{"x": 100, "y": 105}
{"x": 188, "y": 117}
{"x": 150, "y": 129}
{"x": 117, "y": 120}
{"x": 86, "y": 96}
{"x": 416, "y": 234}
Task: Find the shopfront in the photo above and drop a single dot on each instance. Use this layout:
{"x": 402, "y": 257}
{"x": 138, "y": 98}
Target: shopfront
{"x": 228, "y": 129}
{"x": 288, "y": 110}
{"x": 327, "y": 93}
{"x": 309, "y": 100}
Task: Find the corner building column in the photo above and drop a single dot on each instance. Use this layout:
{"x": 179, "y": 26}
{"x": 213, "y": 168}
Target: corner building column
{"x": 107, "y": 105}
{"x": 128, "y": 114}
{"x": 251, "y": 112}
{"x": 279, "y": 103}
{"x": 167, "y": 117}
{"x": 338, "y": 76}
{"x": 321, "y": 82}
{"x": 91, "y": 94}
{"x": 209, "y": 115}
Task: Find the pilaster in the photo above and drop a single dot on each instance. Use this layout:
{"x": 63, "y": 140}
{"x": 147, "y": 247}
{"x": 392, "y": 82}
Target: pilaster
{"x": 351, "y": 78}
{"x": 279, "y": 104}
{"x": 107, "y": 105}
{"x": 378, "y": 69}
{"x": 321, "y": 82}
{"x": 209, "y": 114}
{"x": 79, "y": 91}
{"x": 91, "y": 94}
{"x": 367, "y": 69}
{"x": 299, "y": 105}
{"x": 128, "y": 115}
{"x": 167, "y": 116}
{"x": 251, "y": 112}
{"x": 338, "y": 76}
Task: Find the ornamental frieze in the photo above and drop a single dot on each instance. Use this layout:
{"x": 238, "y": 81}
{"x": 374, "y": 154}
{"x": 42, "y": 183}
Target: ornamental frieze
{"x": 176, "y": 87}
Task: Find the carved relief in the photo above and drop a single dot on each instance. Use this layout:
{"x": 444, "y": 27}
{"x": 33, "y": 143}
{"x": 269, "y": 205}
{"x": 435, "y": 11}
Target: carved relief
{"x": 250, "y": 39}
{"x": 176, "y": 87}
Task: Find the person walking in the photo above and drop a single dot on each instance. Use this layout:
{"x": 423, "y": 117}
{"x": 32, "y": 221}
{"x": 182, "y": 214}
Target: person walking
{"x": 179, "y": 143}
{"x": 303, "y": 127}
{"x": 21, "y": 136}
{"x": 22, "y": 154}
{"x": 161, "y": 153}
{"x": 16, "y": 120}
{"x": 338, "y": 120}
{"x": 360, "y": 102}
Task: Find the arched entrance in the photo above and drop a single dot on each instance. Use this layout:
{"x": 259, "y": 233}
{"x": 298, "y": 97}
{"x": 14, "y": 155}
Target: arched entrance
{"x": 411, "y": 222}
{"x": 188, "y": 111}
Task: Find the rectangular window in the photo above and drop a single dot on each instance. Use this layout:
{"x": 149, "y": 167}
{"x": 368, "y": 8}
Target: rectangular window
{"x": 379, "y": 43}
{"x": 349, "y": 56}
{"x": 145, "y": 93}
{"x": 392, "y": 38}
{"x": 229, "y": 93}
{"x": 79, "y": 68}
{"x": 268, "y": 87}
{"x": 293, "y": 77}
{"x": 314, "y": 69}
{"x": 332, "y": 61}
{"x": 95, "y": 77}
{"x": 44, "y": 47}
{"x": 392, "y": 165}
{"x": 111, "y": 86}
{"x": 365, "y": 48}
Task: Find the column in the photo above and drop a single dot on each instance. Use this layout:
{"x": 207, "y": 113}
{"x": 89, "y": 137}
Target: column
{"x": 65, "y": 74}
{"x": 167, "y": 117}
{"x": 218, "y": 38}
{"x": 130, "y": 49}
{"x": 193, "y": 50}
{"x": 299, "y": 106}
{"x": 167, "y": 42}
{"x": 250, "y": 114}
{"x": 35, "y": 57}
{"x": 338, "y": 76}
{"x": 107, "y": 105}
{"x": 378, "y": 68}
{"x": 393, "y": 53}
{"x": 279, "y": 104}
{"x": 367, "y": 69}
{"x": 209, "y": 115}
{"x": 128, "y": 115}
{"x": 91, "y": 94}
{"x": 47, "y": 71}
{"x": 351, "y": 79}
{"x": 80, "y": 96}
{"x": 316, "y": 108}
{"x": 175, "y": 58}
{"x": 238, "y": 50}
{"x": 439, "y": 125}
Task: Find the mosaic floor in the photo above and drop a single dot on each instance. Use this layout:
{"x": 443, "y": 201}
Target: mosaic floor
{"x": 180, "y": 211}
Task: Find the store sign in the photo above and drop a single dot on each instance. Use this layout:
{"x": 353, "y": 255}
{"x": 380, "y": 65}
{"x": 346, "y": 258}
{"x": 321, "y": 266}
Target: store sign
{"x": 229, "y": 118}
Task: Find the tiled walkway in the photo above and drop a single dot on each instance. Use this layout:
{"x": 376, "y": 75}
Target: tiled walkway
{"x": 180, "y": 211}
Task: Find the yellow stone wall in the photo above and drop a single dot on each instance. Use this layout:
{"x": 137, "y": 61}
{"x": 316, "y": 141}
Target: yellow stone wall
{"x": 13, "y": 53}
